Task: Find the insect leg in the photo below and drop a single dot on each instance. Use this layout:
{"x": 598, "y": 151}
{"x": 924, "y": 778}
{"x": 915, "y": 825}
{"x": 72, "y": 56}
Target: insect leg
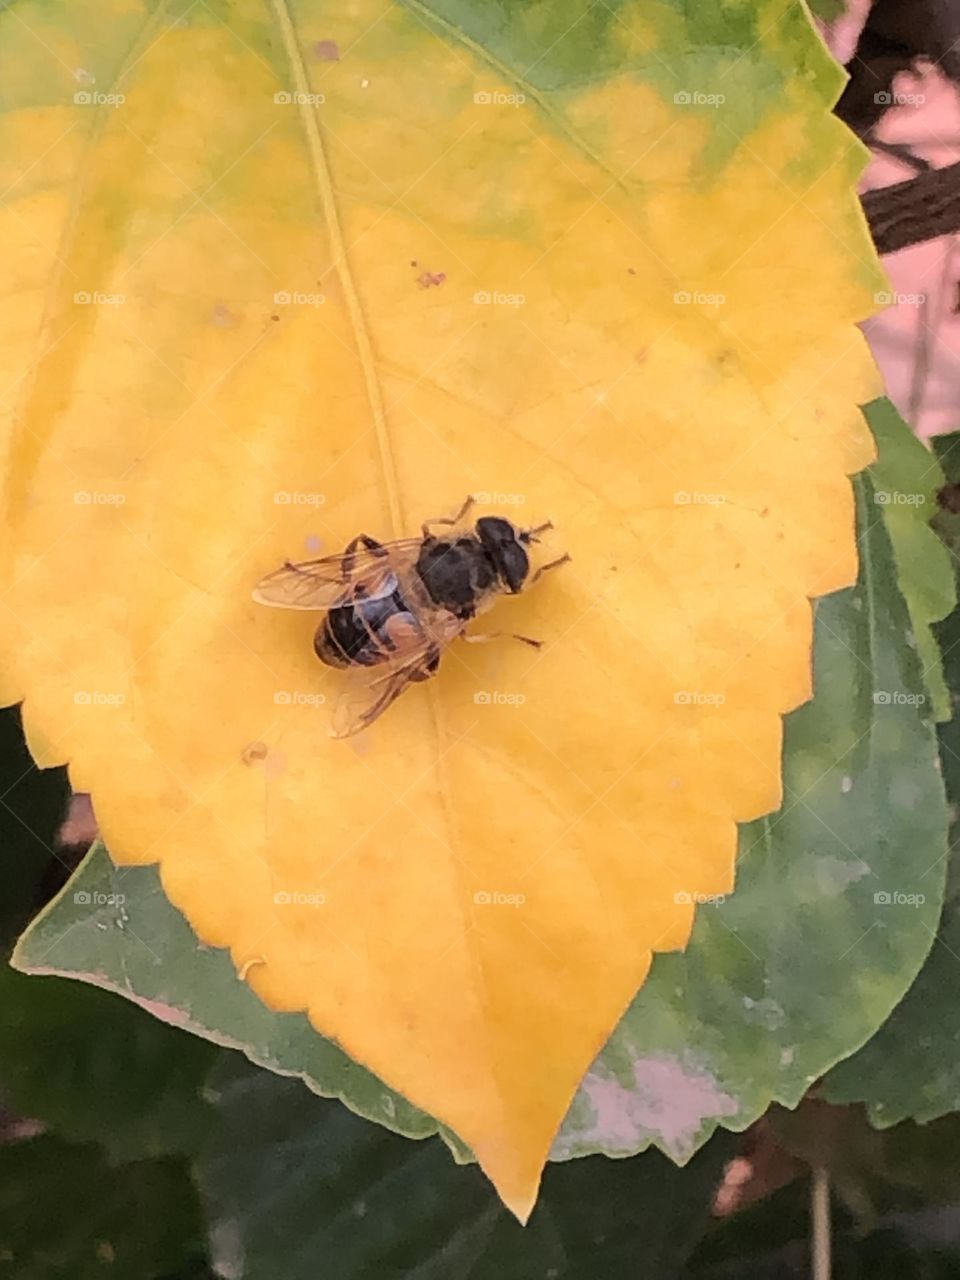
{"x": 349, "y": 553}
{"x": 454, "y": 519}
{"x": 544, "y": 567}
{"x": 498, "y": 635}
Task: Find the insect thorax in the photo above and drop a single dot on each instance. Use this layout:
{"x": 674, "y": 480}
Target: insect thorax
{"x": 457, "y": 574}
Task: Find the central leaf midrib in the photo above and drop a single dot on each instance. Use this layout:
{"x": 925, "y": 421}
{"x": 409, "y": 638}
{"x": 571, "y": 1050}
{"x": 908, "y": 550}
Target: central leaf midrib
{"x": 341, "y": 266}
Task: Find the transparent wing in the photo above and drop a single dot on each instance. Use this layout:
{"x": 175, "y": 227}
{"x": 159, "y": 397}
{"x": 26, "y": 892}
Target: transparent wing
{"x": 319, "y": 584}
{"x": 368, "y": 692}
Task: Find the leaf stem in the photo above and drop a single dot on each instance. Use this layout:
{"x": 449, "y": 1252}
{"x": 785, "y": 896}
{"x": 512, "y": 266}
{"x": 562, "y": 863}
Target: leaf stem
{"x": 820, "y": 1224}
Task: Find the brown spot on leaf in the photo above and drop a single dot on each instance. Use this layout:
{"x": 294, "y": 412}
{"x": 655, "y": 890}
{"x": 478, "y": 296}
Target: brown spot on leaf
{"x": 254, "y": 752}
{"x": 223, "y": 317}
{"x": 326, "y": 51}
{"x": 430, "y": 279}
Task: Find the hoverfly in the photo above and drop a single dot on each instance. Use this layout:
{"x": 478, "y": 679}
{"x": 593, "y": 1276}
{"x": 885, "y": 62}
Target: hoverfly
{"x": 392, "y": 608}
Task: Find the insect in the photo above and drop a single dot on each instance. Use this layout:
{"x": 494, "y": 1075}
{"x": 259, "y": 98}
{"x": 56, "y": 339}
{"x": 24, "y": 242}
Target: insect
{"x": 392, "y": 608}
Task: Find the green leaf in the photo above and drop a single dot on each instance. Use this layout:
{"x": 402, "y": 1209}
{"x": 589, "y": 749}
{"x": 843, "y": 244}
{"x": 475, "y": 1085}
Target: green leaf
{"x": 911, "y": 1067}
{"x": 779, "y": 982}
{"x": 827, "y": 10}
{"x": 32, "y": 805}
{"x": 144, "y": 950}
{"x": 906, "y": 478}
{"x": 803, "y": 962}
{"x": 86, "y": 1064}
{"x": 93, "y": 1068}
{"x": 297, "y": 1187}
{"x": 65, "y": 1213}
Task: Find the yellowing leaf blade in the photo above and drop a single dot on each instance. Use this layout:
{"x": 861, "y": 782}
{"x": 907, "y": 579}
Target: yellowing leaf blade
{"x": 333, "y": 295}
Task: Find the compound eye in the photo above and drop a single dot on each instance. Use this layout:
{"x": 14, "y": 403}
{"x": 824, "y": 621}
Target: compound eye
{"x": 514, "y": 565}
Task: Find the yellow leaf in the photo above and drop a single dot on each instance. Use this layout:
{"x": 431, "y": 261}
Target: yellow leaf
{"x": 281, "y": 278}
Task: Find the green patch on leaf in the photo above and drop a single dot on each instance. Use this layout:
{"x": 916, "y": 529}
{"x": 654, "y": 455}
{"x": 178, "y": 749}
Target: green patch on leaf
{"x": 906, "y": 479}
